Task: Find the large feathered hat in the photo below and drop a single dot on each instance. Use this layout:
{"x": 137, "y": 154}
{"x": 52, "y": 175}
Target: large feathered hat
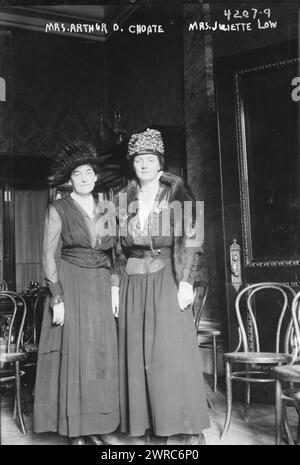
{"x": 149, "y": 141}
{"x": 73, "y": 155}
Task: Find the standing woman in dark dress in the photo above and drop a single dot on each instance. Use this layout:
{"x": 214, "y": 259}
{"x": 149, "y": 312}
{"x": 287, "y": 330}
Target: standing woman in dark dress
{"x": 76, "y": 391}
{"x": 161, "y": 381}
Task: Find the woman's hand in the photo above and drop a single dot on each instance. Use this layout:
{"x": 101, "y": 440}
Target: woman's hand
{"x": 115, "y": 300}
{"x": 185, "y": 295}
{"x": 58, "y": 314}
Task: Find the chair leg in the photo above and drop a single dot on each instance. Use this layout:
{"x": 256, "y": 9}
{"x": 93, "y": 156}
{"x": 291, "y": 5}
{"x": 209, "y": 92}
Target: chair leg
{"x": 228, "y": 398}
{"x": 18, "y": 398}
{"x": 15, "y": 406}
{"x": 247, "y": 401}
{"x": 287, "y": 426}
{"x": 278, "y": 410}
{"x": 297, "y": 406}
{"x": 215, "y": 362}
{"x": 209, "y": 402}
{"x": 298, "y": 431}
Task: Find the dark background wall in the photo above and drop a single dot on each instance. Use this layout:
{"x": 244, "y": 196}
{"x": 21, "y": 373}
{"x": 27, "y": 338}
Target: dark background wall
{"x": 203, "y": 155}
{"x": 145, "y": 73}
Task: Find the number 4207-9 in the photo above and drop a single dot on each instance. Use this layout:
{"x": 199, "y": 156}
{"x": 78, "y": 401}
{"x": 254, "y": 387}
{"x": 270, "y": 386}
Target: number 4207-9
{"x": 252, "y": 13}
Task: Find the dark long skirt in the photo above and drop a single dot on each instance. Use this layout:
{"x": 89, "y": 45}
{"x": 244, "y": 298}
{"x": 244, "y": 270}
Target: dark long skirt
{"x": 76, "y": 391}
{"x": 161, "y": 380}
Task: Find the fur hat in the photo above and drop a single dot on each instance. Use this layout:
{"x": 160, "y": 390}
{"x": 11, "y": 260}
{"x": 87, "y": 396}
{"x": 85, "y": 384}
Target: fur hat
{"x": 73, "y": 155}
{"x": 149, "y": 141}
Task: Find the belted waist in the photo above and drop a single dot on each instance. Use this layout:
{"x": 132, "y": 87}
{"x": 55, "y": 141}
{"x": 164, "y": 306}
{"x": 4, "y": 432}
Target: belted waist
{"x": 86, "y": 258}
{"x": 164, "y": 252}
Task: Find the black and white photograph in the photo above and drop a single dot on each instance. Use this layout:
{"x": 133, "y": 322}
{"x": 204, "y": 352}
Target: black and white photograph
{"x": 149, "y": 210}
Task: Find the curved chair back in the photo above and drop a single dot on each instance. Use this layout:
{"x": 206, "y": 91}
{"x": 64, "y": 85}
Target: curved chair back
{"x": 35, "y": 309}
{"x": 12, "y": 318}
{"x": 288, "y": 378}
{"x": 293, "y": 338}
{"x": 3, "y": 285}
{"x": 200, "y": 300}
{"x": 38, "y": 310}
{"x": 285, "y": 295}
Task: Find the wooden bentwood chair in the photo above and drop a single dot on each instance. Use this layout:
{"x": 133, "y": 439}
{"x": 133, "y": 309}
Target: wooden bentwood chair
{"x": 287, "y": 378}
{"x": 34, "y": 317}
{"x": 202, "y": 288}
{"x": 3, "y": 285}
{"x": 12, "y": 317}
{"x": 258, "y": 364}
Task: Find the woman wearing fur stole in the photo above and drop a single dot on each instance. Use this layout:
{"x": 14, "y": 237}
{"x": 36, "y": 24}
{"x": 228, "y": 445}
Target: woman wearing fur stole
{"x": 161, "y": 382}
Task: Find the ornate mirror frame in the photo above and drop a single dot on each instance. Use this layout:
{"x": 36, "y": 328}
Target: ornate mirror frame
{"x": 241, "y": 124}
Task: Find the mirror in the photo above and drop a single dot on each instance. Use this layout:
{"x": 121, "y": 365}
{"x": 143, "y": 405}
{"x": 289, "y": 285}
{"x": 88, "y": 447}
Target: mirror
{"x": 268, "y": 139}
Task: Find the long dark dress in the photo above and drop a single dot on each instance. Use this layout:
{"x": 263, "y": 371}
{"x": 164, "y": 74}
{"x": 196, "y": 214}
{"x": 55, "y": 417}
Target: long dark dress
{"x": 76, "y": 391}
{"x": 161, "y": 380}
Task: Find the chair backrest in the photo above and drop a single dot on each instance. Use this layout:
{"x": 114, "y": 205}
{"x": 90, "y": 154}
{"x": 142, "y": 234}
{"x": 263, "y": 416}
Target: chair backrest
{"x": 3, "y": 285}
{"x": 294, "y": 334}
{"x": 35, "y": 308}
{"x": 283, "y": 295}
{"x": 201, "y": 288}
{"x": 12, "y": 317}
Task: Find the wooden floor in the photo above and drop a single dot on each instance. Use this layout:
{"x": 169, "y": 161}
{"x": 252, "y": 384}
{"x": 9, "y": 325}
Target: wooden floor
{"x": 259, "y": 430}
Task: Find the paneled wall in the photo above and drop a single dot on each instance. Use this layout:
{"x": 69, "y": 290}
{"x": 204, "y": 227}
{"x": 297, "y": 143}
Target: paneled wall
{"x": 5, "y": 97}
{"x": 59, "y": 90}
{"x": 29, "y": 209}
